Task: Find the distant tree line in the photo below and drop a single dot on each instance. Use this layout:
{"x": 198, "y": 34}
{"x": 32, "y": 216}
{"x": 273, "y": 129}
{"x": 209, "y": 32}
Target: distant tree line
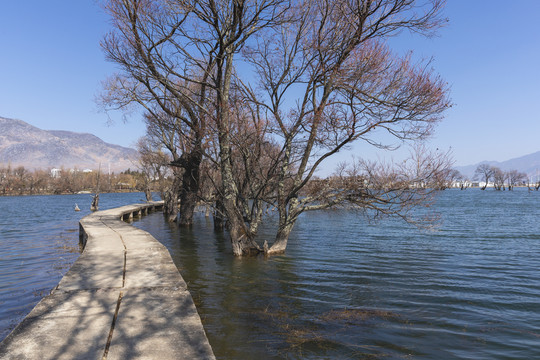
{"x": 20, "y": 181}
{"x": 487, "y": 175}
{"x": 501, "y": 179}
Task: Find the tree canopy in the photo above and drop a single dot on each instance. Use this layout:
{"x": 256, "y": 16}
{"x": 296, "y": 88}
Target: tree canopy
{"x": 257, "y": 94}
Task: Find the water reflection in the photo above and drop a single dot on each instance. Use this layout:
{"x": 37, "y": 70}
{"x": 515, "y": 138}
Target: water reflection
{"x": 350, "y": 289}
{"x": 39, "y": 241}
{"x": 282, "y": 306}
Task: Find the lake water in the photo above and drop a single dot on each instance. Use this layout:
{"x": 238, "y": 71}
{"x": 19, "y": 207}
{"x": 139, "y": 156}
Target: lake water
{"x": 39, "y": 240}
{"x": 345, "y": 289}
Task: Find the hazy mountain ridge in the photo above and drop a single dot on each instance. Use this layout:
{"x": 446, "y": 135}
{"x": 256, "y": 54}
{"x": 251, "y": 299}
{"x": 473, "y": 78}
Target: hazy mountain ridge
{"x": 22, "y": 144}
{"x": 529, "y": 164}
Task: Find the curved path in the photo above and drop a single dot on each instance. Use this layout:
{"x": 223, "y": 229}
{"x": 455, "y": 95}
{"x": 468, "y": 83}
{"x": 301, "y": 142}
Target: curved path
{"x": 122, "y": 299}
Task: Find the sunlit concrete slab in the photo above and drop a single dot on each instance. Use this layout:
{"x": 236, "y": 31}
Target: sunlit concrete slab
{"x": 151, "y": 266}
{"x": 73, "y": 325}
{"x": 96, "y": 270}
{"x": 122, "y": 299}
{"x": 159, "y": 323}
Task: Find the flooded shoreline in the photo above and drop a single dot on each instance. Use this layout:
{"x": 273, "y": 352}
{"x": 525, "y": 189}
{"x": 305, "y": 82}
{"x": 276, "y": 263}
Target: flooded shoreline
{"x": 350, "y": 289}
{"x": 345, "y": 288}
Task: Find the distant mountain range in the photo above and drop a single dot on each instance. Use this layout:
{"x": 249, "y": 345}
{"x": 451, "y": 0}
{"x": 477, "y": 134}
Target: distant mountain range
{"x": 22, "y": 144}
{"x": 529, "y": 164}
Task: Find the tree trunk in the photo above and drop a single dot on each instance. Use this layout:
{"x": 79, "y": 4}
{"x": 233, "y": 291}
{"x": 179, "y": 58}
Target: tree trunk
{"x": 288, "y": 215}
{"x": 170, "y": 198}
{"x": 148, "y": 193}
{"x": 241, "y": 241}
{"x": 219, "y": 216}
{"x": 95, "y": 203}
{"x": 190, "y": 187}
{"x": 282, "y": 237}
{"x": 188, "y": 202}
{"x": 170, "y": 209}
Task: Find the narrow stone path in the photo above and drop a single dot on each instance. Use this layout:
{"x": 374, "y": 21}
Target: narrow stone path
{"x": 122, "y": 299}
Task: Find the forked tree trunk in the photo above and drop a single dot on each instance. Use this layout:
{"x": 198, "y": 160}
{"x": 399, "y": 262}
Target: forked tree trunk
{"x": 287, "y": 218}
{"x": 282, "y": 237}
{"x": 241, "y": 241}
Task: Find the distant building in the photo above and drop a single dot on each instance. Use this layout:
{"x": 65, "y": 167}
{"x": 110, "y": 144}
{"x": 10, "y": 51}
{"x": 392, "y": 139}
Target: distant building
{"x": 55, "y": 173}
{"x": 463, "y": 184}
{"x": 123, "y": 186}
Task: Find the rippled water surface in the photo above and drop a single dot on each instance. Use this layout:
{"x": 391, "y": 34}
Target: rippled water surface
{"x": 345, "y": 289}
{"x": 39, "y": 240}
{"x": 348, "y": 289}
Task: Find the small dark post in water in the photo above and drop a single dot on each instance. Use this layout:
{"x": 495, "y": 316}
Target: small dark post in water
{"x": 95, "y": 203}
{"x": 95, "y": 198}
{"x": 148, "y": 193}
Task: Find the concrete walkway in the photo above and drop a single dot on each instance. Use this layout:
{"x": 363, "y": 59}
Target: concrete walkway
{"x": 122, "y": 299}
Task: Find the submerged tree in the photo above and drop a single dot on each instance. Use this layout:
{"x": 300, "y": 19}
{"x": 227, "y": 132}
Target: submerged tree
{"x": 178, "y": 57}
{"x": 327, "y": 80}
{"x": 514, "y": 178}
{"x": 186, "y": 149}
{"x": 453, "y": 177}
{"x": 315, "y": 77}
{"x": 484, "y": 172}
{"x": 150, "y": 43}
{"x": 499, "y": 179}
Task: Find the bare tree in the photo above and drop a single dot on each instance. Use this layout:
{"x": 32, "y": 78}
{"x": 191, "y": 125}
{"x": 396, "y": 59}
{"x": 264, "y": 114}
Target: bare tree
{"x": 327, "y": 79}
{"x": 454, "y": 178}
{"x": 499, "y": 178}
{"x": 514, "y": 178}
{"x": 231, "y": 24}
{"x": 150, "y": 43}
{"x": 380, "y": 189}
{"x": 177, "y": 58}
{"x": 484, "y": 172}
{"x": 5, "y": 174}
{"x": 153, "y": 164}
{"x": 20, "y": 179}
{"x": 186, "y": 149}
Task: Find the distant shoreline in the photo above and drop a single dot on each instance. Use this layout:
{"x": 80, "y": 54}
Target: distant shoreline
{"x": 84, "y": 192}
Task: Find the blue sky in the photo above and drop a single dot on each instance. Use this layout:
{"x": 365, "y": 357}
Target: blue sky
{"x": 51, "y": 68}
